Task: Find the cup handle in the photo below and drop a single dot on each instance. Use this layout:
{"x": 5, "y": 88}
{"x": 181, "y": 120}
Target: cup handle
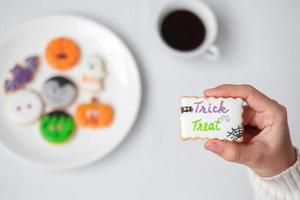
{"x": 212, "y": 53}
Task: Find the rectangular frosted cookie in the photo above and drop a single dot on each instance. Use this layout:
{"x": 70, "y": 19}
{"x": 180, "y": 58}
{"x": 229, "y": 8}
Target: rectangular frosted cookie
{"x": 208, "y": 118}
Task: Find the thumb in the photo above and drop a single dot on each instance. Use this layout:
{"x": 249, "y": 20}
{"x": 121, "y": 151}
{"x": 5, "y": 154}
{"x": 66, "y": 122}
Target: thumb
{"x": 230, "y": 151}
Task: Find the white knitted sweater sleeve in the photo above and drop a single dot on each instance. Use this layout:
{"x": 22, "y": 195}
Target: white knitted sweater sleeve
{"x": 284, "y": 186}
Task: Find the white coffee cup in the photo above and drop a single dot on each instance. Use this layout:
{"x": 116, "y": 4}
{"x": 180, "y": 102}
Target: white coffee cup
{"x": 205, "y": 14}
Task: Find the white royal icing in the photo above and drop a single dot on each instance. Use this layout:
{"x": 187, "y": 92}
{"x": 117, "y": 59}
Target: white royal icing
{"x": 211, "y": 117}
{"x": 25, "y": 106}
{"x": 92, "y": 74}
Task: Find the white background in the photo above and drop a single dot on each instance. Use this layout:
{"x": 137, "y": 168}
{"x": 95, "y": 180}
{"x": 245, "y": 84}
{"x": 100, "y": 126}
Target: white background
{"x": 260, "y": 45}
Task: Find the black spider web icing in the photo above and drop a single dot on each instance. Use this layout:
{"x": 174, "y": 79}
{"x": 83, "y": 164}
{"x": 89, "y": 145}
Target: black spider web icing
{"x": 235, "y": 133}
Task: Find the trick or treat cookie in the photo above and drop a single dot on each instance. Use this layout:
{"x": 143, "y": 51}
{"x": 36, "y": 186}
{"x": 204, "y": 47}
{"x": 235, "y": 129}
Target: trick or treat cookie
{"x": 25, "y": 106}
{"x": 208, "y": 118}
{"x": 94, "y": 114}
{"x": 92, "y": 74}
{"x": 62, "y": 53}
{"x": 59, "y": 92}
{"x": 57, "y": 126}
{"x": 21, "y": 74}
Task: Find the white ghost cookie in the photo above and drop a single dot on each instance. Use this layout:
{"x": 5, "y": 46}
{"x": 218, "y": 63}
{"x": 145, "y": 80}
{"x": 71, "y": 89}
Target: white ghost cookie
{"x": 25, "y": 107}
{"x": 92, "y": 74}
{"x": 219, "y": 118}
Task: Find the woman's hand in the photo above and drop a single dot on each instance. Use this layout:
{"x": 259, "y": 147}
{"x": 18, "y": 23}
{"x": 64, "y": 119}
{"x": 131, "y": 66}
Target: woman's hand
{"x": 267, "y": 148}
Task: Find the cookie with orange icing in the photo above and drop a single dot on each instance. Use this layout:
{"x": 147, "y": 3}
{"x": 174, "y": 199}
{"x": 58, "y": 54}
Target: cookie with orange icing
{"x": 94, "y": 114}
{"x": 62, "y": 53}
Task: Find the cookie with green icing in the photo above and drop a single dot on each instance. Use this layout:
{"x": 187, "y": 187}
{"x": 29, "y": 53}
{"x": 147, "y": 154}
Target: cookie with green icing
{"x": 57, "y": 126}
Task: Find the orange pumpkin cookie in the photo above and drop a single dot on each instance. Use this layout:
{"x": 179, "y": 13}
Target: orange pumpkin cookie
{"x": 94, "y": 114}
{"x": 62, "y": 53}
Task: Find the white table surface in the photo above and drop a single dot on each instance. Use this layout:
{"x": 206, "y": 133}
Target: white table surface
{"x": 260, "y": 45}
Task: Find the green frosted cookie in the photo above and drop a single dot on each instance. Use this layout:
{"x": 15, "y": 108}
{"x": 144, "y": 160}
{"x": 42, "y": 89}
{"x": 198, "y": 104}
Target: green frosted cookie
{"x": 57, "y": 126}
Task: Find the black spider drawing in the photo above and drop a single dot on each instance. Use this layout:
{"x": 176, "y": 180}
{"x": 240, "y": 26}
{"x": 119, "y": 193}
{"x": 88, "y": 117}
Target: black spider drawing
{"x": 235, "y": 133}
{"x": 186, "y": 109}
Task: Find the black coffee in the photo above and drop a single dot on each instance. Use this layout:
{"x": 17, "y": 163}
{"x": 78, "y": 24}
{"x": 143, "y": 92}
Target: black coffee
{"x": 183, "y": 30}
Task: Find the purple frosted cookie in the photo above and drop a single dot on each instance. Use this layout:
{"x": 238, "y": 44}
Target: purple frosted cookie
{"x": 20, "y": 75}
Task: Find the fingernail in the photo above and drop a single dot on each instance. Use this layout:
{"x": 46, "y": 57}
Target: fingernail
{"x": 208, "y": 91}
{"x": 213, "y": 147}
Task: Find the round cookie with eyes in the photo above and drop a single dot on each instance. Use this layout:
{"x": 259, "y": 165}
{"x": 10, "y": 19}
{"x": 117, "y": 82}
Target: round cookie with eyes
{"x": 57, "y": 126}
{"x": 62, "y": 53}
{"x": 25, "y": 106}
{"x": 92, "y": 74}
{"x": 59, "y": 92}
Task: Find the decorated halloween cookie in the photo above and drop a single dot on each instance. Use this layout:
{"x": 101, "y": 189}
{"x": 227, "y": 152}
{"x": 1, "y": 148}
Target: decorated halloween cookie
{"x": 21, "y": 74}
{"x": 219, "y": 118}
{"x": 94, "y": 114}
{"x": 56, "y": 127}
{"x": 59, "y": 92}
{"x": 92, "y": 74}
{"x": 62, "y": 53}
{"x": 25, "y": 106}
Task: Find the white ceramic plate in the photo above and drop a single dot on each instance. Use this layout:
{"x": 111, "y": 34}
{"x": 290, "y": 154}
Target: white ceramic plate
{"x": 122, "y": 90}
